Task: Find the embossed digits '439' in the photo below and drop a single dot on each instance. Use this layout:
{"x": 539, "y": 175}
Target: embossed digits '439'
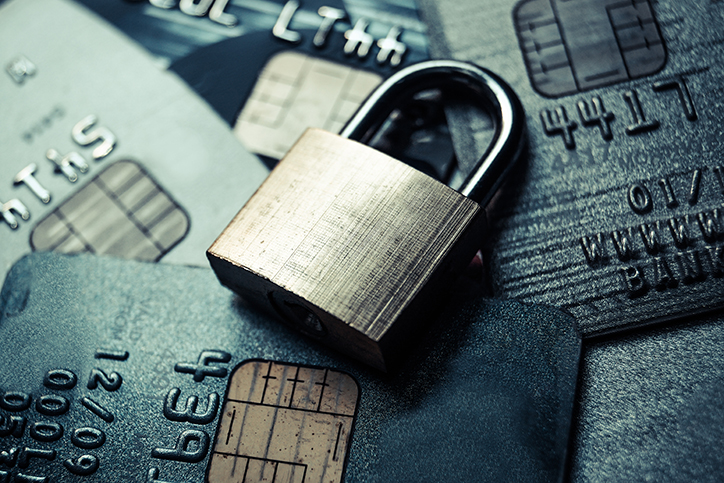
{"x": 192, "y": 445}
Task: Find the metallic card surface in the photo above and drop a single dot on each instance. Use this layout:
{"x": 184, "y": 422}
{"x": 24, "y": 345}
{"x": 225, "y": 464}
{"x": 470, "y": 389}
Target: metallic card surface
{"x": 619, "y": 215}
{"x": 115, "y": 371}
{"x": 87, "y": 90}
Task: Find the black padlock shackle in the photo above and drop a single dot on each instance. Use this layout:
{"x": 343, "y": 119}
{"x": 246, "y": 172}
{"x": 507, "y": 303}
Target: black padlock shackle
{"x": 490, "y": 90}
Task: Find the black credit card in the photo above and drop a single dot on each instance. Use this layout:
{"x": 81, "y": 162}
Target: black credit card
{"x": 618, "y": 215}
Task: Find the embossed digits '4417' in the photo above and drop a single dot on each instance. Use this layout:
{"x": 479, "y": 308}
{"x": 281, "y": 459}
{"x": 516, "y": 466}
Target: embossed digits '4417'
{"x": 593, "y": 114}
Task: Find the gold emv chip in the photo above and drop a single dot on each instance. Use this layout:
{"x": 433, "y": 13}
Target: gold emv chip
{"x": 284, "y": 423}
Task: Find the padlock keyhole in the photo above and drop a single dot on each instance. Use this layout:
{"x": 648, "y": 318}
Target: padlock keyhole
{"x": 297, "y": 315}
{"x": 305, "y": 320}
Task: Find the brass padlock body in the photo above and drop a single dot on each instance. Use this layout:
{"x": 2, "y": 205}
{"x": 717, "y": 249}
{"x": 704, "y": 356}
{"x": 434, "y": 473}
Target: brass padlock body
{"x": 350, "y": 244}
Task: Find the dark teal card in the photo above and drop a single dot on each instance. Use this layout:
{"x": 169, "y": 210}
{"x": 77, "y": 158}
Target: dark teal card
{"x": 118, "y": 371}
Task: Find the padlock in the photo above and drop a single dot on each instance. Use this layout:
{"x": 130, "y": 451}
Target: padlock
{"x": 353, "y": 247}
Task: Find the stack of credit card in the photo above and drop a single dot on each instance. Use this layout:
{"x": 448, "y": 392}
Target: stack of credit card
{"x": 119, "y": 371}
{"x": 137, "y": 129}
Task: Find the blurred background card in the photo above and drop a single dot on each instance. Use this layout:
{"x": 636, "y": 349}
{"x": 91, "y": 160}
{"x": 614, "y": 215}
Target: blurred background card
{"x": 105, "y": 152}
{"x": 272, "y": 68}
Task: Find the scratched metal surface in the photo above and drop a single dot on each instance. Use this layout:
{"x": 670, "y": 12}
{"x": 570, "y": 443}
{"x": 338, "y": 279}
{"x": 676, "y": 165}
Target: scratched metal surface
{"x": 574, "y": 227}
{"x": 489, "y": 392}
{"x": 277, "y": 252}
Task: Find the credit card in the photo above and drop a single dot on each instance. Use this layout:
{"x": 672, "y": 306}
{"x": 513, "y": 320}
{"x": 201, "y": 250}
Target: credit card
{"x": 273, "y": 68}
{"x": 117, "y": 370}
{"x": 103, "y": 151}
{"x": 649, "y": 406}
{"x": 174, "y": 29}
{"x": 618, "y": 216}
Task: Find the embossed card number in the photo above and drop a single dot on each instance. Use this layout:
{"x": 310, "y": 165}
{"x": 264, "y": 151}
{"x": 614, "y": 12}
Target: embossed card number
{"x": 280, "y": 422}
{"x": 40, "y": 418}
{"x": 620, "y": 217}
